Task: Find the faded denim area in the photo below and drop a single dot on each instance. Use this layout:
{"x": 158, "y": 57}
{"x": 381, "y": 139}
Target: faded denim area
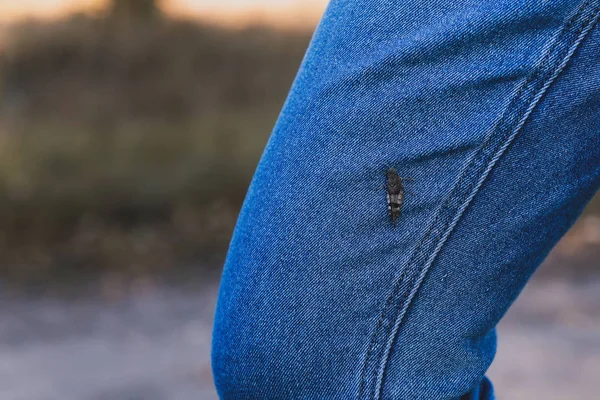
{"x": 493, "y": 108}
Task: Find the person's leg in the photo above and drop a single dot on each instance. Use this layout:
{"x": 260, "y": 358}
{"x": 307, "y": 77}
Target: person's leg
{"x": 493, "y": 108}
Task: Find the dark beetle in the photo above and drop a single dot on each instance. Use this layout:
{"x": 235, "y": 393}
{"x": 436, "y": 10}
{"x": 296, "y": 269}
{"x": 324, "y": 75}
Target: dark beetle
{"x": 395, "y": 193}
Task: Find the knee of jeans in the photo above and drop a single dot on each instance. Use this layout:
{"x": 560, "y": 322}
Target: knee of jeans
{"x": 246, "y": 362}
{"x": 259, "y": 353}
{"x": 247, "y": 365}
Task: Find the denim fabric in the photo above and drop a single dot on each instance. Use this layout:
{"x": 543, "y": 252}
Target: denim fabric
{"x": 493, "y": 108}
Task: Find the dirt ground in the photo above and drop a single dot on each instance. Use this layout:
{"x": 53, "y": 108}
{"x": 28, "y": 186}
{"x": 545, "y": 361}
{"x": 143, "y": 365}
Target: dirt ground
{"x": 155, "y": 346}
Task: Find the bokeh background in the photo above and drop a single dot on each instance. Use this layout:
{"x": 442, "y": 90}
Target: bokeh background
{"x": 129, "y": 131}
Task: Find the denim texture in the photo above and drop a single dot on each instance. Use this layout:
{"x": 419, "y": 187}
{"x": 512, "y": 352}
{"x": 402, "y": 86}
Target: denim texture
{"x": 493, "y": 108}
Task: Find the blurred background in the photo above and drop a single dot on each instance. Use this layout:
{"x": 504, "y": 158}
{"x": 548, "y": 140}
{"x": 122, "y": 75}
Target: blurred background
{"x": 129, "y": 131}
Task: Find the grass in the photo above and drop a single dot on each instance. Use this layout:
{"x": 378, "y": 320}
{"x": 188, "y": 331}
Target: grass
{"x": 127, "y": 144}
{"x": 138, "y": 196}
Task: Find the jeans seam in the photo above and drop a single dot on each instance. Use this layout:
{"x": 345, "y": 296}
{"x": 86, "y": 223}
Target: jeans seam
{"x": 531, "y": 91}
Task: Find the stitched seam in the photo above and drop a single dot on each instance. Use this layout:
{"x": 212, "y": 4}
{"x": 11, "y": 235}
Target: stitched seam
{"x": 477, "y": 184}
{"x": 452, "y": 222}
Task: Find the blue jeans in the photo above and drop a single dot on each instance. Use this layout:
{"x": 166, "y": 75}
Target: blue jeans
{"x": 492, "y": 107}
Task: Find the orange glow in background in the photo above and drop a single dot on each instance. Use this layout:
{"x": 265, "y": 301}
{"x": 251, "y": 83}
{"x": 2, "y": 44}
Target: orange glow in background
{"x": 280, "y": 13}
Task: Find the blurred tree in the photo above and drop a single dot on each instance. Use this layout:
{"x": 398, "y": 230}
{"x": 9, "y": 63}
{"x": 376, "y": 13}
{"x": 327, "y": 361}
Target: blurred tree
{"x": 132, "y": 10}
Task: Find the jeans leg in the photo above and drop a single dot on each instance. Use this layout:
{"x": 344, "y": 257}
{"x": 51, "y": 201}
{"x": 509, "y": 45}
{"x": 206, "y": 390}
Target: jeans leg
{"x": 492, "y": 108}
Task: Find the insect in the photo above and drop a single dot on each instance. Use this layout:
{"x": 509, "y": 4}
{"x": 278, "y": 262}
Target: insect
{"x": 395, "y": 193}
